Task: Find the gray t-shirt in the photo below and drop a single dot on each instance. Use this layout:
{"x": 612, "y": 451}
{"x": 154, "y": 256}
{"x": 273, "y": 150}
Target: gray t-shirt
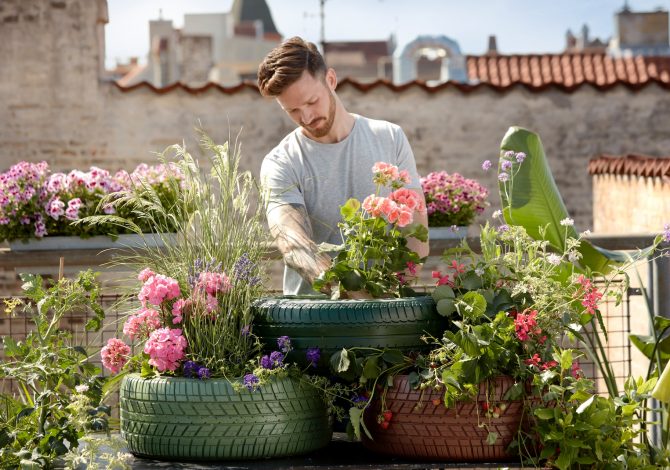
{"x": 322, "y": 177}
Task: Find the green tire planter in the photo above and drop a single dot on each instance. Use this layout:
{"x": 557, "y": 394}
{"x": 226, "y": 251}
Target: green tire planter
{"x": 176, "y": 418}
{"x": 335, "y": 324}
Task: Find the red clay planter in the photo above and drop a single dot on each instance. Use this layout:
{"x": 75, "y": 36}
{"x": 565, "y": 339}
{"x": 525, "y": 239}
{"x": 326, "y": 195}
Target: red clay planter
{"x": 430, "y": 431}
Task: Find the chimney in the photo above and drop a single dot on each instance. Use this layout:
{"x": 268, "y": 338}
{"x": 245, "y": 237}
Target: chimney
{"x": 493, "y": 46}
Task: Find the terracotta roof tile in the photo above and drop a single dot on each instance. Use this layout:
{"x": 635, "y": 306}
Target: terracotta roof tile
{"x": 536, "y": 73}
{"x": 567, "y": 70}
{"x": 634, "y": 165}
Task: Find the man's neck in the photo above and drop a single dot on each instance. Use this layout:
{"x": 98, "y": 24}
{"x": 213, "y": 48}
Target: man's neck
{"x": 342, "y": 127}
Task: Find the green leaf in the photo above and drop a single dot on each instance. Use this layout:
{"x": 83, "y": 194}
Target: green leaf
{"x": 371, "y": 370}
{"x": 491, "y": 438}
{"x": 475, "y": 305}
{"x": 393, "y": 356}
{"x": 544, "y": 413}
{"x": 646, "y": 345}
{"x": 443, "y": 292}
{"x": 350, "y": 208}
{"x": 598, "y": 418}
{"x": 446, "y": 307}
{"x": 352, "y": 280}
{"x": 355, "y": 415}
{"x": 471, "y": 281}
{"x": 533, "y": 200}
{"x": 564, "y": 461}
{"x": 566, "y": 359}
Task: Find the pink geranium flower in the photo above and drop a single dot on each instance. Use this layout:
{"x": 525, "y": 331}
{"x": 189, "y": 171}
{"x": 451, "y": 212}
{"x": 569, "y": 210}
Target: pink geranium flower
{"x": 159, "y": 288}
{"x": 115, "y": 355}
{"x": 142, "y": 323}
{"x": 165, "y": 348}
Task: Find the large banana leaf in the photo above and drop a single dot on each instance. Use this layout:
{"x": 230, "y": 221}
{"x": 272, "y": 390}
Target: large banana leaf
{"x": 531, "y": 199}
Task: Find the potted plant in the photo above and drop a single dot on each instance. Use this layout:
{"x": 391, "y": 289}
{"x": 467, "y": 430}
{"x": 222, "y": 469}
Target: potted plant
{"x": 41, "y": 210}
{"x": 205, "y": 391}
{"x": 452, "y": 202}
{"x": 500, "y": 382}
{"x": 374, "y": 258}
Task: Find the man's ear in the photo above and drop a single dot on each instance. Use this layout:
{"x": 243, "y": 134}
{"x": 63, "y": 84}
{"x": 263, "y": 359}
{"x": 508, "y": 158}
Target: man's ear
{"x": 331, "y": 78}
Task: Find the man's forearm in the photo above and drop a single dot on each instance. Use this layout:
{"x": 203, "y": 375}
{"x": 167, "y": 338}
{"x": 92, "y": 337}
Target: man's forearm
{"x": 290, "y": 227}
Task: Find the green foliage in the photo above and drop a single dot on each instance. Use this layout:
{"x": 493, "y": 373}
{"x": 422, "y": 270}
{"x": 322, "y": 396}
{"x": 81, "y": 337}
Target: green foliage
{"x": 576, "y": 428}
{"x": 60, "y": 391}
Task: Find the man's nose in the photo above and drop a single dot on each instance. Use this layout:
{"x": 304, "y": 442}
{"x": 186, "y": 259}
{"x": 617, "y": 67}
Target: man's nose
{"x": 307, "y": 117}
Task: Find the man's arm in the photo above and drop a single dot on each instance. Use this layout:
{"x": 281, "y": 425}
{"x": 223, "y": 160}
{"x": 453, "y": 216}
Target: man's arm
{"x": 421, "y": 248}
{"x": 291, "y": 229}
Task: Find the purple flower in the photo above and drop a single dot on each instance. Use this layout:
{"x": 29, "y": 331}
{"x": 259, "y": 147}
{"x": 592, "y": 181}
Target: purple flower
{"x": 506, "y": 165}
{"x": 244, "y": 331}
{"x": 313, "y": 356}
{"x": 520, "y": 157}
{"x": 359, "y": 401}
{"x": 503, "y": 228}
{"x": 244, "y": 269}
{"x": 277, "y": 358}
{"x": 191, "y": 369}
{"x": 509, "y": 154}
{"x": 266, "y": 362}
{"x": 284, "y": 344}
{"x": 204, "y": 373}
{"x": 251, "y": 382}
{"x": 666, "y": 233}
{"x": 487, "y": 165}
{"x": 503, "y": 177}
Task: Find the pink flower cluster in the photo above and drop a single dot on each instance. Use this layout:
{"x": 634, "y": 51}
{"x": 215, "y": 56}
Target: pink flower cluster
{"x": 386, "y": 174}
{"x": 32, "y": 198}
{"x": 165, "y": 348}
{"x": 452, "y": 199}
{"x": 140, "y": 325}
{"x": 115, "y": 355}
{"x": 589, "y": 294}
{"x": 398, "y": 208}
{"x": 158, "y": 288}
{"x": 212, "y": 283}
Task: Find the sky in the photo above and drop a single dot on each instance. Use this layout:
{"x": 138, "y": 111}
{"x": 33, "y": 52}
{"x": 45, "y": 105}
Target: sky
{"x": 521, "y": 26}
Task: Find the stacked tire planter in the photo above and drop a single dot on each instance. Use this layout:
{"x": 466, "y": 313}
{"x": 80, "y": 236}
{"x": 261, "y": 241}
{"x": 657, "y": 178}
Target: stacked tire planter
{"x": 335, "y": 324}
{"x": 176, "y": 418}
{"x": 421, "y": 429}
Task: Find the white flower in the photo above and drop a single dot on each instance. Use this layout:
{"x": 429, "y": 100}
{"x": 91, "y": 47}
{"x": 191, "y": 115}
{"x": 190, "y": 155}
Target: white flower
{"x": 554, "y": 259}
{"x": 573, "y": 256}
{"x": 585, "y": 233}
{"x": 81, "y": 388}
{"x": 497, "y": 214}
{"x": 567, "y": 222}
{"x": 479, "y": 272}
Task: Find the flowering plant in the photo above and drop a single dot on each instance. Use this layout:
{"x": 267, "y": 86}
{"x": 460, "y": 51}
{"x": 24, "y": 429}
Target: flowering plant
{"x": 36, "y": 202}
{"x": 452, "y": 199}
{"x": 374, "y": 256}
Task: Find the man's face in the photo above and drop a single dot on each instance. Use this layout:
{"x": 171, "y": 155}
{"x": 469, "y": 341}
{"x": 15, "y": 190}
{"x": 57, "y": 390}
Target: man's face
{"x": 310, "y": 103}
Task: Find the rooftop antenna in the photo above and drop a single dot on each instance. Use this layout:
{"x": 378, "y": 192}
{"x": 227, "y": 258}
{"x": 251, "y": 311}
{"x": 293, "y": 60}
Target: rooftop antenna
{"x": 322, "y": 14}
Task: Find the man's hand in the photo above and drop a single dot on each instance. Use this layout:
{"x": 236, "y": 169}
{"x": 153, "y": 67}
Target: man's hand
{"x": 291, "y": 229}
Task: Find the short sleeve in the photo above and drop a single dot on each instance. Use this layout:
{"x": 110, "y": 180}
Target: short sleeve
{"x": 405, "y": 158}
{"x": 281, "y": 182}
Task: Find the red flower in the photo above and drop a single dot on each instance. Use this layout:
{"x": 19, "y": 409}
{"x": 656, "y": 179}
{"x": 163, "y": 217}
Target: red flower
{"x": 411, "y": 267}
{"x": 458, "y": 268}
{"x": 548, "y": 365}
{"x": 526, "y": 324}
{"x": 533, "y": 361}
{"x": 441, "y": 280}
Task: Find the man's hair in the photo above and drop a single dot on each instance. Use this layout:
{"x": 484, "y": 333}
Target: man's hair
{"x": 285, "y": 64}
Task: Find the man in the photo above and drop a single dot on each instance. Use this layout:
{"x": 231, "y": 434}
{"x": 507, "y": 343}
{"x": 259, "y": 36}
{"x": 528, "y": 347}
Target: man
{"x": 321, "y": 164}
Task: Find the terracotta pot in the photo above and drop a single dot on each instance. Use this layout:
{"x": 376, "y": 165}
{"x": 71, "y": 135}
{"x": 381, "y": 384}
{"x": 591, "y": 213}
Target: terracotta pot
{"x": 433, "y": 432}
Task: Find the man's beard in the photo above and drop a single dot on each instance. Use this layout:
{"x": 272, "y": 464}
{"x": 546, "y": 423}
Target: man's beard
{"x": 328, "y": 124}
